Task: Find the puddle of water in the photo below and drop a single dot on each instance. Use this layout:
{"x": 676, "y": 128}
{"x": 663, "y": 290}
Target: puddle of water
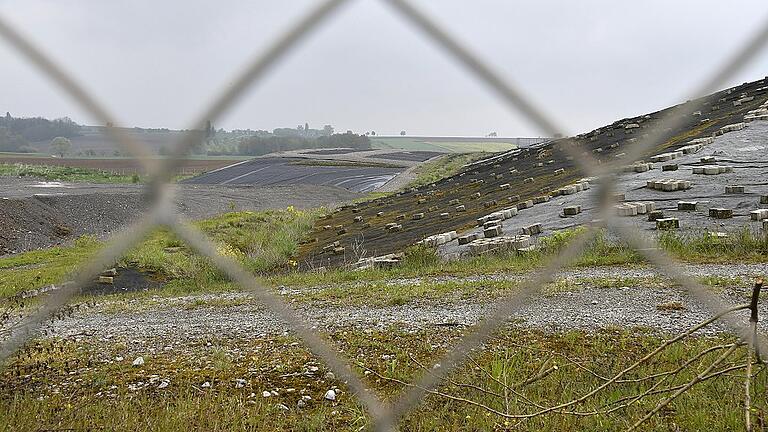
{"x": 52, "y": 184}
{"x": 127, "y": 280}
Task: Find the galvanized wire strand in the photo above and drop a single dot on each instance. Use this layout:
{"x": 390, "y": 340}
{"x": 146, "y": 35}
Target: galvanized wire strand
{"x": 162, "y": 207}
{"x": 76, "y": 91}
{"x": 257, "y": 69}
{"x": 332, "y": 357}
{"x": 456, "y": 356}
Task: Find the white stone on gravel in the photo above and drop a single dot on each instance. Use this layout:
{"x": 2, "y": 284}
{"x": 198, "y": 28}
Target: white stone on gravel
{"x": 330, "y": 395}
{"x": 138, "y": 362}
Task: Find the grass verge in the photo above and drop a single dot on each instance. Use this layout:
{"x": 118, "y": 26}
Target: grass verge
{"x": 220, "y": 384}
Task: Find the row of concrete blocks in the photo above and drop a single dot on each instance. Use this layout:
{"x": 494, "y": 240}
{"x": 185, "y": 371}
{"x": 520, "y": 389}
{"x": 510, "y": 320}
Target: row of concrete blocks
{"x": 639, "y": 167}
{"x": 384, "y": 261}
{"x": 756, "y": 114}
{"x": 743, "y": 100}
{"x": 499, "y": 244}
{"x": 498, "y": 216}
{"x": 712, "y": 169}
{"x": 669, "y": 185}
{"x": 634, "y": 208}
{"x": 571, "y": 189}
{"x": 731, "y": 128}
{"x": 664, "y": 157}
{"x": 439, "y": 239}
{"x": 334, "y": 247}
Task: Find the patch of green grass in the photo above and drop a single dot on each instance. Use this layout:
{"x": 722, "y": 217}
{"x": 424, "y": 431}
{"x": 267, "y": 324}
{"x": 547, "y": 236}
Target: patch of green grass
{"x": 71, "y": 174}
{"x": 261, "y": 241}
{"x": 445, "y": 166}
{"x": 107, "y": 394}
{"x": 442, "y": 145}
{"x": 44, "y": 267}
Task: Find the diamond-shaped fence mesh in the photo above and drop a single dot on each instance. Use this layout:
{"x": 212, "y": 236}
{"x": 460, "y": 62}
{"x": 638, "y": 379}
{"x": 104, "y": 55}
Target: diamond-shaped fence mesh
{"x": 385, "y": 415}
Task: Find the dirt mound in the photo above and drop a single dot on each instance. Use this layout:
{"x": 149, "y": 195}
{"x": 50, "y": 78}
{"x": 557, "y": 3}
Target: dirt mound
{"x": 46, "y": 220}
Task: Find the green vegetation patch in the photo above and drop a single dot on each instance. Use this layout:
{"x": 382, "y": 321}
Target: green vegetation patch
{"x": 71, "y": 174}
{"x": 260, "y": 241}
{"x": 219, "y": 384}
{"x": 445, "y": 166}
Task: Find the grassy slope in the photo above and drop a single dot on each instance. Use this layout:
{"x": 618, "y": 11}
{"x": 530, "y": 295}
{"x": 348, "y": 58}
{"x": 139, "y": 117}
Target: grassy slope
{"x": 441, "y": 168}
{"x": 442, "y": 146}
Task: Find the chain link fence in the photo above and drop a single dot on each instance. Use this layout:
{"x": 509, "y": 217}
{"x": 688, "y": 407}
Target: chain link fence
{"x": 160, "y": 193}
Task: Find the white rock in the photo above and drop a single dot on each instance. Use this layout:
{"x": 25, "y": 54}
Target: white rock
{"x": 239, "y": 383}
{"x": 206, "y": 384}
{"x": 139, "y": 361}
{"x": 301, "y": 403}
{"x": 163, "y": 384}
{"x": 282, "y": 407}
{"x": 330, "y": 376}
{"x": 266, "y": 393}
{"x": 330, "y": 395}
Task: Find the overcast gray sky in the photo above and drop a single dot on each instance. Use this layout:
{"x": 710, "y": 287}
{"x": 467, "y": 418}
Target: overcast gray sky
{"x": 588, "y": 62}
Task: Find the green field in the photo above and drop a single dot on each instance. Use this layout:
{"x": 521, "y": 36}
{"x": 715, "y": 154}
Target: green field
{"x": 441, "y": 145}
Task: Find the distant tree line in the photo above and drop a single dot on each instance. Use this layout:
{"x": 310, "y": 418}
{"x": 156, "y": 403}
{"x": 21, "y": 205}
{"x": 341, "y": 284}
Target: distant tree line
{"x": 260, "y": 142}
{"x": 261, "y": 145}
{"x": 16, "y": 134}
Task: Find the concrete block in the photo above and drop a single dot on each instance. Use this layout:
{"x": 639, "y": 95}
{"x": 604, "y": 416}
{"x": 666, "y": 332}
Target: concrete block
{"x": 461, "y": 208}
{"x": 417, "y": 216}
{"x": 476, "y": 195}
{"x": 763, "y": 199}
{"x": 358, "y": 219}
{"x": 541, "y": 199}
{"x": 572, "y": 210}
{"x": 720, "y": 213}
{"x": 758, "y": 215}
{"x": 380, "y": 214}
{"x": 466, "y": 239}
{"x": 669, "y": 167}
{"x": 338, "y": 250}
{"x": 667, "y": 223}
{"x": 453, "y": 202}
{"x": 491, "y": 223}
{"x": 707, "y": 159}
{"x": 504, "y": 186}
{"x": 445, "y": 215}
{"x": 528, "y": 180}
{"x": 687, "y": 205}
{"x": 510, "y": 212}
{"x": 625, "y": 209}
{"x": 698, "y": 170}
{"x": 559, "y": 171}
{"x": 109, "y": 280}
{"x": 532, "y": 229}
{"x": 400, "y": 217}
{"x": 734, "y": 189}
{"x": 655, "y": 215}
{"x": 514, "y": 198}
{"x": 494, "y": 231}
{"x": 393, "y": 227}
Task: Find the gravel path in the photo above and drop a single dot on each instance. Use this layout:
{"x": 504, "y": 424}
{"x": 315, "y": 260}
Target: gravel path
{"x": 183, "y": 321}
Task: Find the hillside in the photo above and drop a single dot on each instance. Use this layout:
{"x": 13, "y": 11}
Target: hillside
{"x": 361, "y": 229}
